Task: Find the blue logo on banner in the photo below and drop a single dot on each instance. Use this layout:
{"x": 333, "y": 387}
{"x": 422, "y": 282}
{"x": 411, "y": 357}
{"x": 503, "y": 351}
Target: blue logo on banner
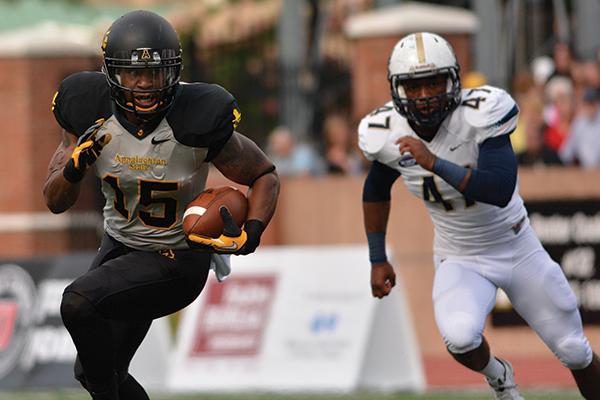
{"x": 323, "y": 323}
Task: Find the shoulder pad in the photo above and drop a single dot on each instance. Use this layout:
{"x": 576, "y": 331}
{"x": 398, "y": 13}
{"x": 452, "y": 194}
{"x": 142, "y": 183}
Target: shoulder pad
{"x": 490, "y": 110}
{"x": 203, "y": 113}
{"x": 81, "y": 99}
{"x": 374, "y": 130}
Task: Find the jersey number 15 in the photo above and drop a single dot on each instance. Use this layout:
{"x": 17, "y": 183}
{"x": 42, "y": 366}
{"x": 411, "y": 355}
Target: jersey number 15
{"x": 146, "y": 198}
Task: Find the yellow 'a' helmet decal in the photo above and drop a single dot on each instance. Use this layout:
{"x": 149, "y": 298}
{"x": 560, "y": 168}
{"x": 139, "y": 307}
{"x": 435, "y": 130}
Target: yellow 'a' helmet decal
{"x": 237, "y": 117}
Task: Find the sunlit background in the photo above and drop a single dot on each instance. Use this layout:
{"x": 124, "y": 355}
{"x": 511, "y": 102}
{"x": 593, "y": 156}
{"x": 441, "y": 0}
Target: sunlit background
{"x": 297, "y": 316}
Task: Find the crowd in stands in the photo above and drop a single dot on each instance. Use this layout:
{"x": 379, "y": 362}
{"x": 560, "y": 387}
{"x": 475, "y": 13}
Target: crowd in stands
{"x": 339, "y": 154}
{"x": 559, "y": 124}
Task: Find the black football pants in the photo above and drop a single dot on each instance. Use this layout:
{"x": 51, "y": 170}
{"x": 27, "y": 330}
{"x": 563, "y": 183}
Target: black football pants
{"x": 109, "y": 309}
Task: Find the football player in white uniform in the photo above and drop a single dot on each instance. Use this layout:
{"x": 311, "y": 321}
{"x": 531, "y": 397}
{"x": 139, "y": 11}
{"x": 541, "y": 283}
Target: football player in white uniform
{"x": 452, "y": 149}
{"x": 150, "y": 140}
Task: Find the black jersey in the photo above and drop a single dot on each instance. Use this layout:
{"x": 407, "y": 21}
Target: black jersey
{"x": 149, "y": 175}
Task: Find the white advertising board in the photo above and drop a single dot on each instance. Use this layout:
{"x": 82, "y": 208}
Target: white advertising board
{"x": 296, "y": 319}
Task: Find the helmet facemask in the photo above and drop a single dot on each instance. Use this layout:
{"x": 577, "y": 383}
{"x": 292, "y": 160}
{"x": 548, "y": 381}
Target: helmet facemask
{"x": 160, "y": 69}
{"x": 427, "y": 111}
{"x": 423, "y": 56}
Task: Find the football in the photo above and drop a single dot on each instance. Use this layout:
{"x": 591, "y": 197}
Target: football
{"x": 202, "y": 215}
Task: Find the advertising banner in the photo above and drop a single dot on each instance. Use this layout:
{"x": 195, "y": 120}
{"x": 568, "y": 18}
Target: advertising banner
{"x": 287, "y": 319}
{"x": 36, "y": 350}
{"x": 296, "y": 318}
{"x": 570, "y": 232}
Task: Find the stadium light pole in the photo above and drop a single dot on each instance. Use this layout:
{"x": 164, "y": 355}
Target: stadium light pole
{"x": 295, "y": 74}
{"x": 586, "y": 28}
{"x": 487, "y": 59}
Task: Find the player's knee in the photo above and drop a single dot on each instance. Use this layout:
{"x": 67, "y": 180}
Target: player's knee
{"x": 574, "y": 352}
{"x": 75, "y": 308}
{"x": 78, "y": 372}
{"x": 462, "y": 334}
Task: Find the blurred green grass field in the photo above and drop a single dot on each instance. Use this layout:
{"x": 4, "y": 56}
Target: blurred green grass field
{"x": 77, "y": 395}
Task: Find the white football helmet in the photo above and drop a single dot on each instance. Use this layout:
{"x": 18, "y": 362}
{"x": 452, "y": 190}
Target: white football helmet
{"x": 422, "y": 55}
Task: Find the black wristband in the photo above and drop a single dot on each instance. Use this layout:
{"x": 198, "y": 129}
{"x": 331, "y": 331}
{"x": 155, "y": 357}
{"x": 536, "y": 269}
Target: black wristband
{"x": 377, "y": 253}
{"x": 254, "y": 229}
{"x": 72, "y": 174}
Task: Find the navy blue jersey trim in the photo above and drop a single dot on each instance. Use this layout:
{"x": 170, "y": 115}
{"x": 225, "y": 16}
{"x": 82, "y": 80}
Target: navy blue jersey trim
{"x": 510, "y": 115}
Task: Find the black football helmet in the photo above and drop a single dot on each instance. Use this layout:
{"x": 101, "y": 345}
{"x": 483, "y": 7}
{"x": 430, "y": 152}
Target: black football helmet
{"x": 142, "y": 42}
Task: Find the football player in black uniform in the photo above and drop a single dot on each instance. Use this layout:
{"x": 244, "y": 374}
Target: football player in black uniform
{"x": 150, "y": 139}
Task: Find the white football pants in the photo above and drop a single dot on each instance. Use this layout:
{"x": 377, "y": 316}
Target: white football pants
{"x": 464, "y": 293}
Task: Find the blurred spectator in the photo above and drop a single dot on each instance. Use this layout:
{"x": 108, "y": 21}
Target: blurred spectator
{"x": 527, "y": 95}
{"x": 528, "y": 138}
{"x": 559, "y": 111}
{"x": 563, "y": 61}
{"x": 473, "y": 79}
{"x": 542, "y": 68}
{"x": 341, "y": 153}
{"x": 536, "y": 153}
{"x": 590, "y": 72}
{"x": 582, "y": 147}
{"x": 290, "y": 157}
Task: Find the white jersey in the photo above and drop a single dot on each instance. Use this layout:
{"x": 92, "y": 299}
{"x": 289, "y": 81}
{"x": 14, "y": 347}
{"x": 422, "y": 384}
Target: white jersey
{"x": 462, "y": 226}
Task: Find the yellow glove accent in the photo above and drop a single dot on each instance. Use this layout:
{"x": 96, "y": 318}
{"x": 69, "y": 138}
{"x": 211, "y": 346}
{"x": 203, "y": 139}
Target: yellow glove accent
{"x": 89, "y": 146}
{"x": 231, "y": 240}
{"x": 222, "y": 244}
{"x": 77, "y": 151}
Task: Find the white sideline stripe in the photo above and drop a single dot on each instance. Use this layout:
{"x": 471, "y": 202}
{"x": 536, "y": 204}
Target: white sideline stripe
{"x": 46, "y": 221}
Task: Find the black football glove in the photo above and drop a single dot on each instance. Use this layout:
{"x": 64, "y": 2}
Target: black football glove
{"x": 234, "y": 239}
{"x": 254, "y": 229}
{"x": 86, "y": 152}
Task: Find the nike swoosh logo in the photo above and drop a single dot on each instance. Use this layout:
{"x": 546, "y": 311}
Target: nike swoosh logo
{"x": 455, "y": 147}
{"x": 154, "y": 141}
{"x": 232, "y": 246}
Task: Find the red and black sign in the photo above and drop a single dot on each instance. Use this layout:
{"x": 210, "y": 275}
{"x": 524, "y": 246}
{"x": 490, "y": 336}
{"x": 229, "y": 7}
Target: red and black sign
{"x": 234, "y": 318}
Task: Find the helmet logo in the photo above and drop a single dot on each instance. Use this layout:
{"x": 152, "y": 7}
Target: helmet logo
{"x": 237, "y": 117}
{"x": 422, "y": 67}
{"x": 105, "y": 40}
{"x": 143, "y": 56}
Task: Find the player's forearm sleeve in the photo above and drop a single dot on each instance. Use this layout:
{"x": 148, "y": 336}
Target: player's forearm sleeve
{"x": 495, "y": 178}
{"x": 379, "y": 182}
{"x": 450, "y": 172}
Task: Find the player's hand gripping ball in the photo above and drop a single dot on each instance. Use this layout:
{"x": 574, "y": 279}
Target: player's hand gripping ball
{"x": 214, "y": 219}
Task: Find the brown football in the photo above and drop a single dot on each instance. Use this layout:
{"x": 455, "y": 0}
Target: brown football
{"x": 202, "y": 215}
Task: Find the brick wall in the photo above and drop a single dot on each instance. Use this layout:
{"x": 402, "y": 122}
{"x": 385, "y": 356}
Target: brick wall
{"x": 29, "y": 136}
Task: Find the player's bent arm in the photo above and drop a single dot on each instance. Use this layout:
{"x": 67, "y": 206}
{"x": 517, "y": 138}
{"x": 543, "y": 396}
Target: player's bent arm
{"x": 494, "y": 179}
{"x": 59, "y": 193}
{"x": 242, "y": 161}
